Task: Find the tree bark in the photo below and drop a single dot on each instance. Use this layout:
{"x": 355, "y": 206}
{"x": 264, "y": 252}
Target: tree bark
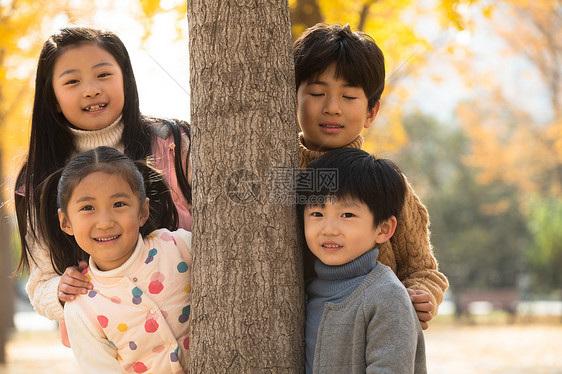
{"x": 247, "y": 289}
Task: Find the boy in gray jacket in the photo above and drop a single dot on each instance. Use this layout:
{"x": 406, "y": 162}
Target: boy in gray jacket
{"x": 359, "y": 317}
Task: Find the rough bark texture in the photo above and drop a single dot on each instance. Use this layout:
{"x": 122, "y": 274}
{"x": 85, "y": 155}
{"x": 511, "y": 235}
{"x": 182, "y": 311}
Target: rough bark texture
{"x": 247, "y": 290}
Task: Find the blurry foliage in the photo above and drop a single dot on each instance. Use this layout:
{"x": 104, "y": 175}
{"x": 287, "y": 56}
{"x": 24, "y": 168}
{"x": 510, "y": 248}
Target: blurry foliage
{"x": 21, "y": 31}
{"x": 545, "y": 256}
{"x": 508, "y": 145}
{"x": 149, "y": 9}
{"x": 478, "y": 233}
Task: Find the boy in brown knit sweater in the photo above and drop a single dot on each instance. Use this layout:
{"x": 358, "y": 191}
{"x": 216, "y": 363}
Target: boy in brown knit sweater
{"x": 340, "y": 78}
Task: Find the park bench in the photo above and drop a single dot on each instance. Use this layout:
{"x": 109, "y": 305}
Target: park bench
{"x": 505, "y": 299}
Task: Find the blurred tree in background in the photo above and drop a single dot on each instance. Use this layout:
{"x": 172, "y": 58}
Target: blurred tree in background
{"x": 545, "y": 255}
{"x": 512, "y": 147}
{"x": 21, "y": 31}
{"x": 478, "y": 231}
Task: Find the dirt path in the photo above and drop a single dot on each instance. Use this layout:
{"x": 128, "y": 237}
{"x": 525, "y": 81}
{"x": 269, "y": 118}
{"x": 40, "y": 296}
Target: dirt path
{"x": 502, "y": 349}
{"x": 38, "y": 353}
{"x": 451, "y": 349}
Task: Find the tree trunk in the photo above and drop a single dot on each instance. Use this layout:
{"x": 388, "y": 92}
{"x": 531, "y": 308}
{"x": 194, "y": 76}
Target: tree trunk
{"x": 247, "y": 290}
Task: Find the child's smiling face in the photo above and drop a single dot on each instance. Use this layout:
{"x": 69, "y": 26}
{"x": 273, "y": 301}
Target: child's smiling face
{"x": 339, "y": 232}
{"x": 88, "y": 85}
{"x": 331, "y": 112}
{"x": 104, "y": 216}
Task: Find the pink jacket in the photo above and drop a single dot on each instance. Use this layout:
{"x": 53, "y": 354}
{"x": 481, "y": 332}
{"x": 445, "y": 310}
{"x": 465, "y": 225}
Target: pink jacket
{"x": 163, "y": 153}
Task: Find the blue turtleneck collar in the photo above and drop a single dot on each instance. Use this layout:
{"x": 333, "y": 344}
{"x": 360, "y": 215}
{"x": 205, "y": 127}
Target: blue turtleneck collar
{"x": 332, "y": 280}
{"x": 362, "y": 265}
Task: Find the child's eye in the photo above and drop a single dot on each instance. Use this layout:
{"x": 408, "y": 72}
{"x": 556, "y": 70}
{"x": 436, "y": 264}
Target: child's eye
{"x": 119, "y": 204}
{"x": 87, "y": 208}
{"x": 350, "y": 97}
{"x": 72, "y": 81}
{"x": 103, "y": 75}
{"x": 348, "y": 215}
{"x": 316, "y": 94}
{"x": 316, "y": 214}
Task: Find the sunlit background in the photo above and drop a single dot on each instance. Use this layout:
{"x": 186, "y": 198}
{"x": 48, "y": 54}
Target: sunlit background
{"x": 472, "y": 112}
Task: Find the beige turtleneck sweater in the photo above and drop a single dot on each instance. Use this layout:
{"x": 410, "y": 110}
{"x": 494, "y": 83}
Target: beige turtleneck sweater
{"x": 109, "y": 136}
{"x": 408, "y": 253}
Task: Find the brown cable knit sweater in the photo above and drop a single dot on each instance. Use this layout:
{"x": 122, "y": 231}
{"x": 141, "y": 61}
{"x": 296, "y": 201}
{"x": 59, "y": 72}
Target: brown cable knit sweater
{"x": 408, "y": 253}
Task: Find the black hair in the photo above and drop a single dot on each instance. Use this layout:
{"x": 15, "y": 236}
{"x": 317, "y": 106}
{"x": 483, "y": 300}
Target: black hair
{"x": 357, "y": 57}
{"x": 356, "y": 174}
{"x": 57, "y": 189}
{"x": 52, "y": 143}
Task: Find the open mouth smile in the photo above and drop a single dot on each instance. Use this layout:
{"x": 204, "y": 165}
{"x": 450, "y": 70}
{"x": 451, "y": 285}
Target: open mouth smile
{"x": 94, "y": 108}
{"x": 331, "y": 247}
{"x": 107, "y": 239}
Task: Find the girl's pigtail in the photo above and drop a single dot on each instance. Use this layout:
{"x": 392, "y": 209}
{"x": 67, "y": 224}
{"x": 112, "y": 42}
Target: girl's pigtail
{"x": 22, "y": 208}
{"x": 64, "y": 250}
{"x": 163, "y": 212}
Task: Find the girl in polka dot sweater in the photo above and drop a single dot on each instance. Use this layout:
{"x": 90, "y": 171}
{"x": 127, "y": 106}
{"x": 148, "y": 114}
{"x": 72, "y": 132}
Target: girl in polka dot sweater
{"x": 136, "y": 317}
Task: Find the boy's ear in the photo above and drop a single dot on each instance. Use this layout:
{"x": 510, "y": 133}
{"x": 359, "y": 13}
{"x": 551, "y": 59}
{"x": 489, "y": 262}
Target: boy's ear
{"x": 386, "y": 230}
{"x": 144, "y": 212}
{"x": 372, "y": 114}
{"x": 65, "y": 223}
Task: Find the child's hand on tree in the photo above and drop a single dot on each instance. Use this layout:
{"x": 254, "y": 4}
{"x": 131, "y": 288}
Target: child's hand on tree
{"x": 73, "y": 283}
{"x": 422, "y": 305}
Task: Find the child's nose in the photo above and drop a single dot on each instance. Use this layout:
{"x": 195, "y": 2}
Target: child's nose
{"x": 105, "y": 220}
{"x": 92, "y": 90}
{"x": 332, "y": 106}
{"x": 330, "y": 227}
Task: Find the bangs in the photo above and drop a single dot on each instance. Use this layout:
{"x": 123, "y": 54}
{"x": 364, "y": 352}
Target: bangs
{"x": 345, "y": 67}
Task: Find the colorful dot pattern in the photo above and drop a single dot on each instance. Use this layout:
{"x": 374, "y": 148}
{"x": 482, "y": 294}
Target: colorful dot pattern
{"x": 147, "y": 317}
